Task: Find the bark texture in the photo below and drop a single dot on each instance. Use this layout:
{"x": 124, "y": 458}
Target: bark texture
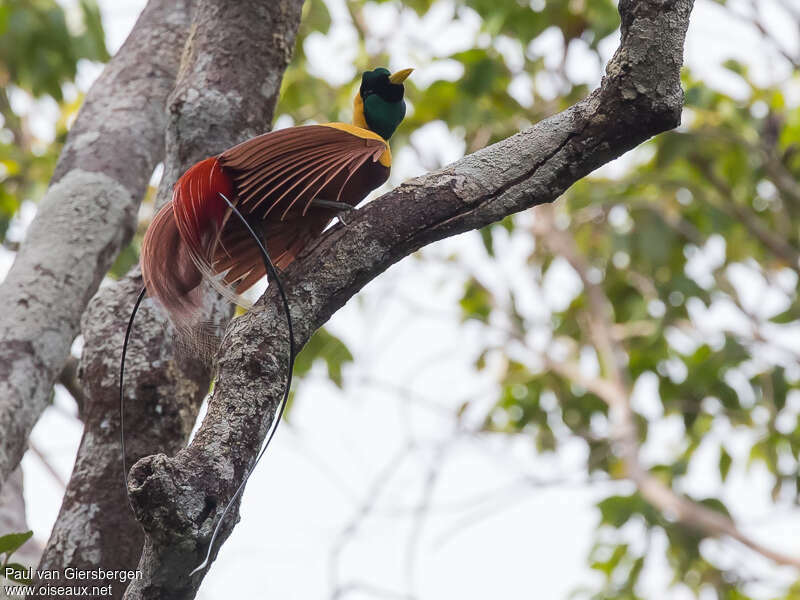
{"x": 179, "y": 499}
{"x": 227, "y": 86}
{"x": 87, "y": 215}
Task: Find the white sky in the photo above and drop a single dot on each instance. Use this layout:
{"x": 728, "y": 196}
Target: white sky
{"x": 487, "y": 533}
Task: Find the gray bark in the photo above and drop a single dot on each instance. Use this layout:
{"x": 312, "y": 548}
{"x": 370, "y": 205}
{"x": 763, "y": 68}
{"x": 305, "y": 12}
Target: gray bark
{"x": 179, "y": 499}
{"x": 226, "y": 90}
{"x": 86, "y": 216}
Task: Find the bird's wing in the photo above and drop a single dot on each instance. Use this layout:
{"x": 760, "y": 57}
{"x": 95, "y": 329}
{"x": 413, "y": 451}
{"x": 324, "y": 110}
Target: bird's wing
{"x": 279, "y": 173}
{"x": 276, "y": 177}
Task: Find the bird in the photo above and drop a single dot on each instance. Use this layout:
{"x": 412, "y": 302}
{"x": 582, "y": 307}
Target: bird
{"x": 289, "y": 184}
{"x": 282, "y": 189}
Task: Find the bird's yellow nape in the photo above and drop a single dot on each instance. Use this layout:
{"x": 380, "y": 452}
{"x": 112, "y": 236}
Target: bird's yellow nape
{"x": 400, "y": 76}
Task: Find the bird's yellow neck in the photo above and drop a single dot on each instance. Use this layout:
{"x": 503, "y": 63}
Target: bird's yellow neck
{"x": 360, "y": 128}
{"x": 362, "y": 132}
{"x": 358, "y": 112}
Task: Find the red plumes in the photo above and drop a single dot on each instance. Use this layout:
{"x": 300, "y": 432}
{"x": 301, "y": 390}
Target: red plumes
{"x": 273, "y": 180}
{"x": 197, "y": 204}
{"x": 181, "y": 235}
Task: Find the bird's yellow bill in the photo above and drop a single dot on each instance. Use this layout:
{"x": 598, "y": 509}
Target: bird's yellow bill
{"x": 400, "y": 76}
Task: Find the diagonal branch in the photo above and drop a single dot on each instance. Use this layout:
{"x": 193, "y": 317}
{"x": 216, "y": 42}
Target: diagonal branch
{"x": 86, "y": 216}
{"x": 725, "y": 200}
{"x": 615, "y": 390}
{"x": 680, "y": 508}
{"x": 179, "y": 499}
{"x": 600, "y": 310}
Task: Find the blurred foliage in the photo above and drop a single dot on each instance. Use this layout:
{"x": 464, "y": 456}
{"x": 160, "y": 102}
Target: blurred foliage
{"x": 325, "y": 347}
{"x": 705, "y": 218}
{"x": 39, "y": 56}
{"x": 701, "y": 217}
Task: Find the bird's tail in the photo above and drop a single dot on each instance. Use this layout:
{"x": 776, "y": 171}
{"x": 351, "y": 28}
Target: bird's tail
{"x": 177, "y": 249}
{"x": 193, "y": 238}
{"x": 169, "y": 273}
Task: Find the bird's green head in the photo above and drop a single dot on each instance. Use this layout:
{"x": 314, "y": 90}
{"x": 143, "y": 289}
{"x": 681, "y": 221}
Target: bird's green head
{"x": 379, "y": 104}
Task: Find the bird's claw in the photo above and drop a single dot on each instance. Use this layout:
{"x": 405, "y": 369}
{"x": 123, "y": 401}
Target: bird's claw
{"x": 341, "y": 206}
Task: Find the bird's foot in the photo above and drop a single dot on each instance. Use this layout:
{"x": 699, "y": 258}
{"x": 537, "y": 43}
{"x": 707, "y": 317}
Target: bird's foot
{"x": 342, "y": 207}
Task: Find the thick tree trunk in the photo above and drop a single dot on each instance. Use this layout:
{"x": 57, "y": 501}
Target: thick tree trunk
{"x": 85, "y": 218}
{"x": 230, "y": 74}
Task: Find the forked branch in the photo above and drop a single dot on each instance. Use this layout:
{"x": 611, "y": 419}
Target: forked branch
{"x": 179, "y": 499}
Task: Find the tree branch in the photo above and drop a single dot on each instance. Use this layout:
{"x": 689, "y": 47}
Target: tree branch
{"x": 225, "y": 92}
{"x": 69, "y": 379}
{"x": 13, "y": 520}
{"x": 726, "y": 202}
{"x": 601, "y": 311}
{"x": 86, "y": 216}
{"x": 93, "y": 518}
{"x": 680, "y": 508}
{"x": 179, "y": 499}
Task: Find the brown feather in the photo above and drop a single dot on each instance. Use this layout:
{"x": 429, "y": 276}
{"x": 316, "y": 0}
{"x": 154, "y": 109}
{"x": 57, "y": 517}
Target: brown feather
{"x": 276, "y": 176}
{"x": 174, "y": 281}
{"x": 273, "y": 179}
{"x": 266, "y": 168}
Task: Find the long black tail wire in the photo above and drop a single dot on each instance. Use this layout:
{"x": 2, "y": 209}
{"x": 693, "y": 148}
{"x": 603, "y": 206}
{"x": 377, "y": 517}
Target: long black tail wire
{"x": 273, "y": 275}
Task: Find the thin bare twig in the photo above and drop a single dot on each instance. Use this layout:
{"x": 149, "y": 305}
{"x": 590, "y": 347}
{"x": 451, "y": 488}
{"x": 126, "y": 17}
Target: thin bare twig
{"x": 69, "y": 379}
{"x": 366, "y": 507}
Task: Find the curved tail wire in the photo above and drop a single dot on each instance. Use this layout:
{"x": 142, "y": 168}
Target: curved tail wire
{"x": 139, "y": 299}
{"x": 273, "y": 274}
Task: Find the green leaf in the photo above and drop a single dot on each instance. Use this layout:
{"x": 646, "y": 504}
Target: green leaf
{"x": 17, "y": 573}
{"x": 788, "y": 316}
{"x": 94, "y": 44}
{"x": 487, "y": 239}
{"x": 127, "y": 257}
{"x": 725, "y": 462}
{"x": 11, "y": 542}
{"x": 315, "y": 17}
{"x": 608, "y": 566}
{"x": 716, "y": 504}
{"x": 617, "y": 510}
{"x": 735, "y": 67}
{"x": 476, "y": 302}
{"x": 328, "y": 348}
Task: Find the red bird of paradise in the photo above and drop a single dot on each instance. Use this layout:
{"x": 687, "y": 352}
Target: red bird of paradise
{"x": 289, "y": 183}
{"x": 283, "y": 187}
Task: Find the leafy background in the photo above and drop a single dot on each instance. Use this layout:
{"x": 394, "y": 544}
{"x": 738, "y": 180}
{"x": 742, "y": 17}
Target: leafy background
{"x": 445, "y": 418}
